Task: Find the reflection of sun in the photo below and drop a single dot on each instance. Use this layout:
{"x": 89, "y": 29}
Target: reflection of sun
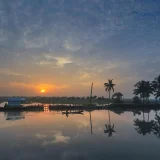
{"x": 42, "y": 90}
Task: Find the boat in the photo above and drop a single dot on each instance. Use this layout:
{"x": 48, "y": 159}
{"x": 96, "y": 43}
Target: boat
{"x": 76, "y": 112}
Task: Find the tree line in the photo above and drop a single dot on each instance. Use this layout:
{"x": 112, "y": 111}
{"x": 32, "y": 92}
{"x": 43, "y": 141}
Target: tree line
{"x": 143, "y": 90}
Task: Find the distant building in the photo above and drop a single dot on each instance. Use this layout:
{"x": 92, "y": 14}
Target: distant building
{"x": 15, "y": 102}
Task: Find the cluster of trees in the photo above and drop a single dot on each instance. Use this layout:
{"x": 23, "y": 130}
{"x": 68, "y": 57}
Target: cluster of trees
{"x": 144, "y": 89}
{"x": 63, "y": 99}
{"x": 109, "y": 86}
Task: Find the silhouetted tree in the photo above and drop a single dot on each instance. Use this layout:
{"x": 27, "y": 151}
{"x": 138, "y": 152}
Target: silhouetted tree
{"x": 149, "y": 90}
{"x": 136, "y": 99}
{"x": 99, "y": 98}
{"x": 109, "y": 86}
{"x": 157, "y": 95}
{"x": 91, "y": 93}
{"x": 82, "y": 98}
{"x": 156, "y": 87}
{"x": 117, "y": 97}
{"x": 144, "y": 89}
{"x": 94, "y": 97}
{"x": 87, "y": 98}
{"x": 109, "y": 128}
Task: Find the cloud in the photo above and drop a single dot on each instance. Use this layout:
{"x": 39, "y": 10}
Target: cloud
{"x": 85, "y": 75}
{"x": 61, "y": 61}
{"x": 41, "y": 136}
{"x": 77, "y": 42}
{"x": 30, "y": 89}
{"x": 83, "y": 124}
{"x": 44, "y": 62}
{"x": 9, "y": 72}
{"x": 8, "y": 125}
{"x": 70, "y": 46}
{"x": 57, "y": 137}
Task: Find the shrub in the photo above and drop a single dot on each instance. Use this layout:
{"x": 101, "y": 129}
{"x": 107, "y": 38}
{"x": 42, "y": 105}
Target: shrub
{"x": 136, "y": 100}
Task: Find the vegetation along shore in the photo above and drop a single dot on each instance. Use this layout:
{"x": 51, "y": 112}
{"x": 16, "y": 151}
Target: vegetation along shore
{"x": 143, "y": 90}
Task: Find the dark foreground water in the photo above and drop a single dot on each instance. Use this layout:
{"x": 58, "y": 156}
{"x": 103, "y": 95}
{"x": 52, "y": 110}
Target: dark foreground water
{"x": 97, "y": 135}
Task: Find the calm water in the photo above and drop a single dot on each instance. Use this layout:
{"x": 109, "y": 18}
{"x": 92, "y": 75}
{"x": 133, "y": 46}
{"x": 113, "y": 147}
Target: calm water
{"x": 51, "y": 135}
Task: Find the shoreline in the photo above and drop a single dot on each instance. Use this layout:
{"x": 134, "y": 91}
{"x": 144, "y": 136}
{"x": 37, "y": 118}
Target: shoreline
{"x": 117, "y": 106}
{"x": 58, "y": 107}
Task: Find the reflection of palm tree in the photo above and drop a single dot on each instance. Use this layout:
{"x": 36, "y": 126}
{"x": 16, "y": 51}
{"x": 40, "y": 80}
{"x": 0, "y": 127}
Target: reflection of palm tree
{"x": 91, "y": 122}
{"x": 156, "y": 129}
{"x": 109, "y": 128}
{"x": 148, "y": 114}
{"x": 143, "y": 127}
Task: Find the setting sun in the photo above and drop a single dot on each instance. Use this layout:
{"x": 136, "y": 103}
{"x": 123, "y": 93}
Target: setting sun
{"x": 42, "y": 91}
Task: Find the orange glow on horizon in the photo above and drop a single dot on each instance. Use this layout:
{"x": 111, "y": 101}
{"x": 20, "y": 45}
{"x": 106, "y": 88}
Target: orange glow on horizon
{"x": 43, "y": 91}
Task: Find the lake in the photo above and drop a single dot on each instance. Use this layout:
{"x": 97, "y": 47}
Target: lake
{"x": 96, "y": 135}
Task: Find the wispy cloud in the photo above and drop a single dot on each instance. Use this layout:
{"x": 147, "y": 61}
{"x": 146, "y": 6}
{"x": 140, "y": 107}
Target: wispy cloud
{"x": 57, "y": 137}
{"x": 61, "y": 61}
{"x": 90, "y": 41}
{"x": 12, "y": 73}
{"x": 70, "y": 46}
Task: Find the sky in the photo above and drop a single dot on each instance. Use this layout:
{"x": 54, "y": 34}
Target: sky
{"x": 61, "y": 46}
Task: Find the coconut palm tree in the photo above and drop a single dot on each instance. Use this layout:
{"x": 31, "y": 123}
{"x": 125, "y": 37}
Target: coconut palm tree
{"x": 157, "y": 94}
{"x": 149, "y": 90}
{"x": 140, "y": 89}
{"x": 109, "y": 86}
{"x": 117, "y": 97}
{"x": 91, "y": 94}
{"x": 156, "y": 87}
{"x": 109, "y": 128}
{"x": 144, "y": 89}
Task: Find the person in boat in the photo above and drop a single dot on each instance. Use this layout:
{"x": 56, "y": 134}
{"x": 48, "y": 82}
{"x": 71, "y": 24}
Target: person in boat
{"x": 67, "y": 113}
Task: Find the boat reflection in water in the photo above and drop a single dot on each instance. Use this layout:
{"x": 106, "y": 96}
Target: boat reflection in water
{"x": 72, "y": 112}
{"x": 14, "y": 115}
